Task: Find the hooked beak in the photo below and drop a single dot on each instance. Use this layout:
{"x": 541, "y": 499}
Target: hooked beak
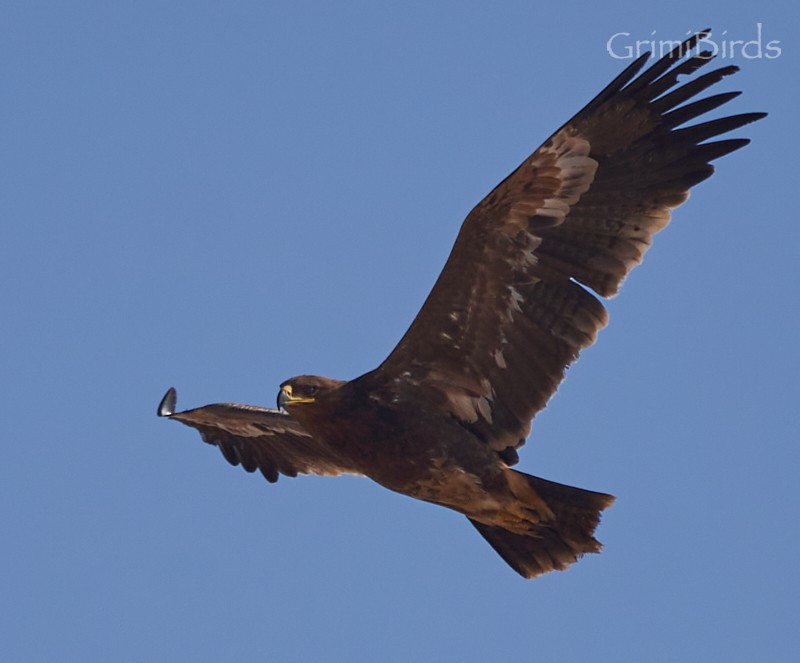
{"x": 285, "y": 397}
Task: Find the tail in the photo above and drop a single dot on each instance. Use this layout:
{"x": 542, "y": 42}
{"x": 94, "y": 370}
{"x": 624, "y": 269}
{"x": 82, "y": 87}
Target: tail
{"x": 555, "y": 544}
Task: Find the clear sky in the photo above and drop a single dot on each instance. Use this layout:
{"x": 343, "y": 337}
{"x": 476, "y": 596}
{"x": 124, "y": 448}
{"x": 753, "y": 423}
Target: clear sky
{"x": 219, "y": 195}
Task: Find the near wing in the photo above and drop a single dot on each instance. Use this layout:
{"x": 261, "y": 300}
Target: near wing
{"x": 258, "y": 438}
{"x": 507, "y": 314}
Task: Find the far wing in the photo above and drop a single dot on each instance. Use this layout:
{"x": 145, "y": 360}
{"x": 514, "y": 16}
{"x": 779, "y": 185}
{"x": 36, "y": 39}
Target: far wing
{"x": 509, "y": 311}
{"x": 258, "y": 438}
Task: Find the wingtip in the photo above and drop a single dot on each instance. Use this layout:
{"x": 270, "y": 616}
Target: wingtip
{"x": 166, "y": 408}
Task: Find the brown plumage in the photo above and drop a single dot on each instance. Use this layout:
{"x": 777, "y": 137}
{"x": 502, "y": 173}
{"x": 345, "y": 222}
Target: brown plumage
{"x": 442, "y": 417}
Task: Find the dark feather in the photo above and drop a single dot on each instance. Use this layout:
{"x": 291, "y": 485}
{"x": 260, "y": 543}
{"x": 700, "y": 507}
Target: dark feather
{"x": 258, "y": 438}
{"x": 442, "y": 418}
{"x": 506, "y": 316}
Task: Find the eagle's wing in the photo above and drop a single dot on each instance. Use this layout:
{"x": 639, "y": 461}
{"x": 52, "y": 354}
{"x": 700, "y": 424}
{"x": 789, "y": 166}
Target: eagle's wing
{"x": 509, "y": 311}
{"x": 258, "y": 438}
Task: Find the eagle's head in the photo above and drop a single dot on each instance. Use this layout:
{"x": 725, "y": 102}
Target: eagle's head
{"x": 305, "y": 389}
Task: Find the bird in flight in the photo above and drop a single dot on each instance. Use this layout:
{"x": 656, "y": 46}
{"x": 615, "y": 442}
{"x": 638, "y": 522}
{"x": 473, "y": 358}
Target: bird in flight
{"x": 442, "y": 418}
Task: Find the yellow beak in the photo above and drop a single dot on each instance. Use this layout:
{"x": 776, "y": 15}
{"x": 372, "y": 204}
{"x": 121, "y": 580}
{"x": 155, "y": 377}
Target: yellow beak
{"x": 285, "y": 397}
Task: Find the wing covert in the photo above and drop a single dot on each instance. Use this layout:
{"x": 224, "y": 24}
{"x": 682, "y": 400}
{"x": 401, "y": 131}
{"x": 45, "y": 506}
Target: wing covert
{"x": 512, "y": 307}
{"x": 258, "y": 438}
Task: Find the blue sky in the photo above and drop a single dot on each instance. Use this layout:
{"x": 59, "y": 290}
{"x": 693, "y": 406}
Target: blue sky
{"x": 217, "y": 196}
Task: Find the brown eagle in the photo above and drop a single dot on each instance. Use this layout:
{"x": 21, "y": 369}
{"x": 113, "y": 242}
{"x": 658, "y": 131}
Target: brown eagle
{"x": 442, "y": 417}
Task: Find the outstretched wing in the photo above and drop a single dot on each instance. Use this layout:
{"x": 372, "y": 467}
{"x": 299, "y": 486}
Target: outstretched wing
{"x": 509, "y": 311}
{"x": 258, "y": 438}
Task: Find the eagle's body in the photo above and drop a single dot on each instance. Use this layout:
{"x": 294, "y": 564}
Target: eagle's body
{"x": 394, "y": 434}
{"x": 442, "y": 418}
{"x": 392, "y": 431}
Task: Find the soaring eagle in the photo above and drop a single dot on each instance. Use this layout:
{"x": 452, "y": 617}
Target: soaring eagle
{"x": 442, "y": 418}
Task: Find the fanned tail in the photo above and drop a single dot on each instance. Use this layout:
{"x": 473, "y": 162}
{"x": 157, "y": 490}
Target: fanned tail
{"x": 556, "y": 544}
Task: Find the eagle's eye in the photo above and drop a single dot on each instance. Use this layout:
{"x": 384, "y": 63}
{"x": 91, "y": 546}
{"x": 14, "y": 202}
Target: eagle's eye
{"x": 310, "y": 390}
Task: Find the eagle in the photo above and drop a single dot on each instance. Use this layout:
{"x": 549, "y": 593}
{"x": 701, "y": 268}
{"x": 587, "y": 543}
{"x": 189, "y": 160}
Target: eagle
{"x": 443, "y": 417}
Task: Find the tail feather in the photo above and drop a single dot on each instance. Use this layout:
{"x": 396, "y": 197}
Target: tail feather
{"x": 556, "y": 544}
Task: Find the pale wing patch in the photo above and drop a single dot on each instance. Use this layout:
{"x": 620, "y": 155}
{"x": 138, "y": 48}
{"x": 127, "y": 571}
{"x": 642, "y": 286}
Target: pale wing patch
{"x": 468, "y": 400}
{"x": 468, "y": 407}
{"x": 563, "y": 163}
{"x": 484, "y": 409}
{"x": 516, "y": 299}
{"x": 563, "y": 171}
